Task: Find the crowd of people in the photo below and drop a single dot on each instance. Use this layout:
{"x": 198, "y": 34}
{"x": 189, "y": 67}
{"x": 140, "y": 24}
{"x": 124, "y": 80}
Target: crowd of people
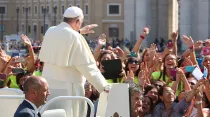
{"x": 161, "y": 84}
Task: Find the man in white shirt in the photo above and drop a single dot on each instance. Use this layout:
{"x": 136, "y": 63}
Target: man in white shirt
{"x": 36, "y": 93}
{"x": 68, "y": 62}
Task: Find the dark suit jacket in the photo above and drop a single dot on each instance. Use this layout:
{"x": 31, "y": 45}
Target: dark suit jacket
{"x": 25, "y": 109}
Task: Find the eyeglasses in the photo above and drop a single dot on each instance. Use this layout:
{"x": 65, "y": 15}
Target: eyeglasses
{"x": 133, "y": 62}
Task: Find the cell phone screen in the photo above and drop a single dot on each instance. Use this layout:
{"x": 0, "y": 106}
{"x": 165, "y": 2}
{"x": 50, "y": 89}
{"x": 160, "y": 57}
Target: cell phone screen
{"x": 112, "y": 65}
{"x": 197, "y": 73}
{"x": 112, "y": 68}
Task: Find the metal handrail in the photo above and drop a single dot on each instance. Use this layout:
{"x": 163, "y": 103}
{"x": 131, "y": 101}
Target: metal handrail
{"x": 69, "y": 98}
{"x": 53, "y": 100}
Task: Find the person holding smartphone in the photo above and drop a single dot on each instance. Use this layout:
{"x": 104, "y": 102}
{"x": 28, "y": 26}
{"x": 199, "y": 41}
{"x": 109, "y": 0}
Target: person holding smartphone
{"x": 170, "y": 73}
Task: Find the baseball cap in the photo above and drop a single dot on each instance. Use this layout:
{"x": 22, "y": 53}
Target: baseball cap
{"x": 72, "y": 12}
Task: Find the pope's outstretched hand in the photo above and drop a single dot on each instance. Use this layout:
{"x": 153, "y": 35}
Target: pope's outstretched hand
{"x": 88, "y": 29}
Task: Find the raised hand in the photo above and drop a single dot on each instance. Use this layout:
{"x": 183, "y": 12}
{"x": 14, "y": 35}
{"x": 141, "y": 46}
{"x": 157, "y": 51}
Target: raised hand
{"x": 145, "y": 31}
{"x": 198, "y": 44}
{"x": 199, "y": 96}
{"x": 188, "y": 41}
{"x": 26, "y": 40}
{"x": 130, "y": 76}
{"x": 179, "y": 73}
{"x": 199, "y": 83}
{"x": 187, "y": 62}
{"x": 174, "y": 36}
{"x": 88, "y": 29}
{"x": 120, "y": 52}
{"x": 143, "y": 66}
{"x": 152, "y": 50}
{"x": 142, "y": 78}
{"x": 102, "y": 39}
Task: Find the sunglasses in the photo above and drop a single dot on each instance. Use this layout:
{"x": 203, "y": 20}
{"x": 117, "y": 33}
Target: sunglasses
{"x": 133, "y": 62}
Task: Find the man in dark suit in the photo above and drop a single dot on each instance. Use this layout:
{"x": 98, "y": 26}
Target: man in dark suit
{"x": 36, "y": 93}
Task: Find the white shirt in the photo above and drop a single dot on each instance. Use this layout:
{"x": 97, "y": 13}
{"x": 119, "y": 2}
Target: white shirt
{"x": 35, "y": 108}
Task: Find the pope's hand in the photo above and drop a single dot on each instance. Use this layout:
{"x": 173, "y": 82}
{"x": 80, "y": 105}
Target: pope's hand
{"x": 107, "y": 88}
{"x": 88, "y": 29}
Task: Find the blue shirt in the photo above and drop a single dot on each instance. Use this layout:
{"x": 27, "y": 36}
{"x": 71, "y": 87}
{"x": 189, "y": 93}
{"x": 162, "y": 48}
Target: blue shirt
{"x": 175, "y": 110}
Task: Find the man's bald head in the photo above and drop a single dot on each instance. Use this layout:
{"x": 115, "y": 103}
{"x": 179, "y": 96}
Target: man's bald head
{"x": 36, "y": 90}
{"x": 33, "y": 82}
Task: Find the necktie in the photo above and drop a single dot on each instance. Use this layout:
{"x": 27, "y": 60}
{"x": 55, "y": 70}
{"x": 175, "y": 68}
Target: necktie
{"x": 39, "y": 115}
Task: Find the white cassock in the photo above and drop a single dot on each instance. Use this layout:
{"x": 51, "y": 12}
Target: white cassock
{"x": 68, "y": 61}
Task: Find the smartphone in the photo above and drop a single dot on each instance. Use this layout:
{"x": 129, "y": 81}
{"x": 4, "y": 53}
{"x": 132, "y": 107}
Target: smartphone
{"x": 206, "y": 51}
{"x": 170, "y": 44}
{"x": 112, "y": 68}
{"x": 189, "y": 68}
{"x": 200, "y": 61}
{"x": 173, "y": 74}
{"x": 20, "y": 60}
{"x": 197, "y": 73}
{"x": 17, "y": 70}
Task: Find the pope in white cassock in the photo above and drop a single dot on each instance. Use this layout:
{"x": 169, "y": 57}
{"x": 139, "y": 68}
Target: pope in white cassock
{"x": 68, "y": 62}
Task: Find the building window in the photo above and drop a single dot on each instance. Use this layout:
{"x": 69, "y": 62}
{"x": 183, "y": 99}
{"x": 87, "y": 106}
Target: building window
{"x": 48, "y": 9}
{"x": 86, "y": 9}
{"x": 114, "y": 9}
{"x": 62, "y": 9}
{"x": 35, "y": 10}
{"x": 2, "y": 27}
{"x": 29, "y": 10}
{"x": 42, "y": 9}
{"x": 113, "y": 32}
{"x": 35, "y": 28}
{"x": 23, "y": 10}
{"x": 2, "y": 9}
{"x": 29, "y": 29}
{"x": 42, "y": 29}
